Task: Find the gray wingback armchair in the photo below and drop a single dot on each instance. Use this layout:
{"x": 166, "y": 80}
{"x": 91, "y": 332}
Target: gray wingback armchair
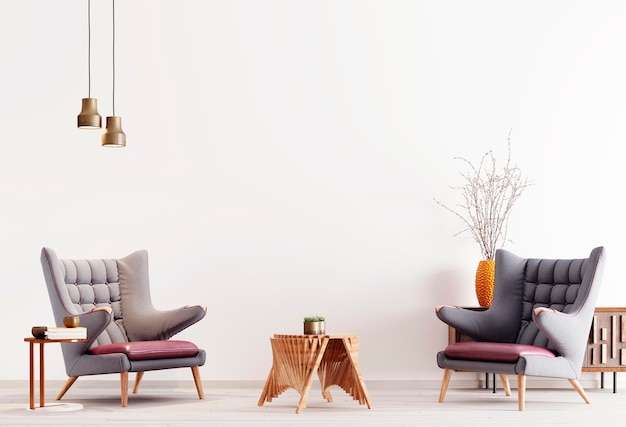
{"x": 125, "y": 332}
{"x": 538, "y": 323}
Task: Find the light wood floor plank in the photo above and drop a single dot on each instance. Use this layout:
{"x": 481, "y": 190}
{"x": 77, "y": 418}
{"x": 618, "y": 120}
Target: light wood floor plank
{"x": 235, "y": 404}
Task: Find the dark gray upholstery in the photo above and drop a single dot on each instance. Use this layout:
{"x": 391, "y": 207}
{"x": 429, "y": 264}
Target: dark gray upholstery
{"x": 568, "y": 286}
{"x": 112, "y": 299}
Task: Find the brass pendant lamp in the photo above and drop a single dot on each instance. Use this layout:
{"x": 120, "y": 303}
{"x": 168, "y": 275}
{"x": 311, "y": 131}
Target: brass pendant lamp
{"x": 89, "y": 118}
{"x": 114, "y": 136}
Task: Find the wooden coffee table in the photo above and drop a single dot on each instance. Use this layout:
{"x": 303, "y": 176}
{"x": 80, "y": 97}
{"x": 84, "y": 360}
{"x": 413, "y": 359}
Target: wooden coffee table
{"x": 298, "y": 358}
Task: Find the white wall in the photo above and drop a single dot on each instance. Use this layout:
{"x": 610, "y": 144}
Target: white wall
{"x": 283, "y": 157}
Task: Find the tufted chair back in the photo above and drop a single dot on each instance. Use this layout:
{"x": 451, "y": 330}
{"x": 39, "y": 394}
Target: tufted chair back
{"x": 550, "y": 283}
{"x": 88, "y": 284}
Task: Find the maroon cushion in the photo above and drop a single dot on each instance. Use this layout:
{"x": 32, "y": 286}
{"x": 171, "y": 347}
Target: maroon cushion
{"x": 493, "y": 351}
{"x": 144, "y": 350}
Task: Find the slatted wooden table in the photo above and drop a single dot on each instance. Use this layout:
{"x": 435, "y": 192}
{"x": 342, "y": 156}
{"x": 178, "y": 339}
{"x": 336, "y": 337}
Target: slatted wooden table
{"x": 298, "y": 358}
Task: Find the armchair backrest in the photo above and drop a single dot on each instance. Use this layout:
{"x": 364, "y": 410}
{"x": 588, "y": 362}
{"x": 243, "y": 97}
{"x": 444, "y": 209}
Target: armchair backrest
{"x": 565, "y": 285}
{"x": 79, "y": 286}
{"x": 554, "y": 283}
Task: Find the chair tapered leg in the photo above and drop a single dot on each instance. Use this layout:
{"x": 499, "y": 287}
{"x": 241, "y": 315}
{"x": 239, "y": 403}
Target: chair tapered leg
{"x": 521, "y": 391}
{"x": 580, "y": 390}
{"x": 196, "y": 378}
{"x": 138, "y": 379}
{"x": 505, "y": 384}
{"x": 447, "y": 374}
{"x": 66, "y": 387}
{"x": 124, "y": 388}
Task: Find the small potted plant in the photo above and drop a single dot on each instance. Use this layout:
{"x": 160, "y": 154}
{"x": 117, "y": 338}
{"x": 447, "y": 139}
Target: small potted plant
{"x": 314, "y": 325}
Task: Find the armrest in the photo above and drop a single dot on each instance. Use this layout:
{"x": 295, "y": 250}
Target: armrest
{"x": 565, "y": 331}
{"x": 142, "y": 321}
{"x": 439, "y": 307}
{"x": 95, "y": 321}
{"x": 163, "y": 324}
{"x": 539, "y": 310}
{"x": 469, "y": 322}
{"x": 487, "y": 325}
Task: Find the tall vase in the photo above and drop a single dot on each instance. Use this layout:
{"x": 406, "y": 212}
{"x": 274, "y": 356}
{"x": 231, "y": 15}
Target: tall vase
{"x": 485, "y": 276}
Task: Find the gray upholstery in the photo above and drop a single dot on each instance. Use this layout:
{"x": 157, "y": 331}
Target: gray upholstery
{"x": 568, "y": 286}
{"x": 86, "y": 288}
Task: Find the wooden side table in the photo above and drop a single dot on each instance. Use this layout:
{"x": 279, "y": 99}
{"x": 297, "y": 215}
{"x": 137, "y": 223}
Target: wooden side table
{"x": 298, "y": 358}
{"x": 41, "y": 342}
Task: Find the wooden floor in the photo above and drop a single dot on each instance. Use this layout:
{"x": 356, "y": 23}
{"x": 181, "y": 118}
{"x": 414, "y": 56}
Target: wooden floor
{"x": 235, "y": 404}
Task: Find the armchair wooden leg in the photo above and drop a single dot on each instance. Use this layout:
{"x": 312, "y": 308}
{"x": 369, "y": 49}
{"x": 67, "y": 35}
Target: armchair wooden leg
{"x": 447, "y": 374}
{"x": 66, "y": 387}
{"x": 505, "y": 384}
{"x": 124, "y": 388}
{"x": 196, "y": 377}
{"x": 580, "y": 390}
{"x": 138, "y": 379}
{"x": 521, "y": 391}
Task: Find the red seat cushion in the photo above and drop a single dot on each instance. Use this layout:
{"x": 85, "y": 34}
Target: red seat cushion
{"x": 494, "y": 351}
{"x": 145, "y": 350}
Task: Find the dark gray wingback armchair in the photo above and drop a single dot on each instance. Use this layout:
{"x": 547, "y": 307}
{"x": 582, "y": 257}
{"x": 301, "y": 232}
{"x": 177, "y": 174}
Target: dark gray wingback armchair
{"x": 125, "y": 332}
{"x": 538, "y": 323}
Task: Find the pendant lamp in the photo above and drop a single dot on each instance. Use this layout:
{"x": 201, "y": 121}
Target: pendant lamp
{"x": 89, "y": 118}
{"x": 114, "y": 136}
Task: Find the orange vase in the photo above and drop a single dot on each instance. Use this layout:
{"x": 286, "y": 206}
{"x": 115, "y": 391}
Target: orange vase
{"x": 485, "y": 276}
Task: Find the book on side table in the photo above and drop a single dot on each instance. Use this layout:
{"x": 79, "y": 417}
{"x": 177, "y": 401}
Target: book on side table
{"x": 60, "y": 333}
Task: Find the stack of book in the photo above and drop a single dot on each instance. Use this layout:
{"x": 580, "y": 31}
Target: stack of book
{"x": 61, "y": 333}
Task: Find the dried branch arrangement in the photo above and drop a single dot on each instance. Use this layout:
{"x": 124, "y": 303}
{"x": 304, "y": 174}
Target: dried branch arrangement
{"x": 488, "y": 195}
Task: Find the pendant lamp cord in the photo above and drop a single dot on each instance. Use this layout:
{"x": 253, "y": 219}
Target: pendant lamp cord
{"x": 114, "y": 57}
{"x": 89, "y": 45}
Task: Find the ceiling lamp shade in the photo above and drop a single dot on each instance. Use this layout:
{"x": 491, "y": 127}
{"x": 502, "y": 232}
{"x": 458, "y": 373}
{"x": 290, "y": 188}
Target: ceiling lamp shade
{"x": 89, "y": 118}
{"x": 114, "y": 136}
